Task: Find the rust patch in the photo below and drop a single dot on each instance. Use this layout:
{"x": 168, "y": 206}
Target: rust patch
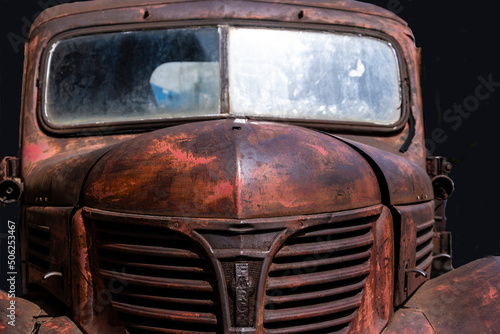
{"x": 22, "y": 312}
{"x": 262, "y": 170}
{"x": 283, "y": 170}
{"x": 60, "y": 325}
{"x": 464, "y": 300}
{"x": 409, "y": 321}
{"x": 35, "y": 152}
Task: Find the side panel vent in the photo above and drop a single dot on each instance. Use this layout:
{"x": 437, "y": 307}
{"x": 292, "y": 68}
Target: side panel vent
{"x": 425, "y": 233}
{"x": 416, "y": 224}
{"x": 38, "y": 248}
{"x": 166, "y": 280}
{"x": 316, "y": 280}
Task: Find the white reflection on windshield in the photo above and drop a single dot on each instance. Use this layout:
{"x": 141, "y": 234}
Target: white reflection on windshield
{"x": 313, "y": 75}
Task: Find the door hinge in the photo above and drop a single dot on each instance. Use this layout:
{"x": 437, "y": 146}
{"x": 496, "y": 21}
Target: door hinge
{"x": 437, "y": 165}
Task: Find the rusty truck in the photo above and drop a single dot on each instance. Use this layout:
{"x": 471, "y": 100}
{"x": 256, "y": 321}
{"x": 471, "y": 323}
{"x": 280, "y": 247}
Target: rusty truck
{"x": 250, "y": 166}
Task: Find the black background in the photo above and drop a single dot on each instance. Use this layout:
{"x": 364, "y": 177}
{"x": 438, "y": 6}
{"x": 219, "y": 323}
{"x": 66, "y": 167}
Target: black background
{"x": 459, "y": 42}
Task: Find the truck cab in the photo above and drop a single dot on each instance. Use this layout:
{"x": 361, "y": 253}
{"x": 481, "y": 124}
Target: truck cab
{"x": 249, "y": 166}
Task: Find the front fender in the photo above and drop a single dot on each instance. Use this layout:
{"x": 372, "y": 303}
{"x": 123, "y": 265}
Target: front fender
{"x": 465, "y": 300}
{"x": 19, "y": 315}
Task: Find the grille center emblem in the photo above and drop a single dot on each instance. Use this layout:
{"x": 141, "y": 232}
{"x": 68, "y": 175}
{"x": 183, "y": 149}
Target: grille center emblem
{"x": 242, "y": 288}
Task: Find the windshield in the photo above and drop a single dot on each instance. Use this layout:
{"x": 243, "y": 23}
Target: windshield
{"x": 131, "y": 76}
{"x": 175, "y": 73}
{"x": 313, "y": 75}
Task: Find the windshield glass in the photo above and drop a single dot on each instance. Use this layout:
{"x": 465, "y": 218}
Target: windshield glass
{"x": 176, "y": 73}
{"x": 313, "y": 75}
{"x": 128, "y": 76}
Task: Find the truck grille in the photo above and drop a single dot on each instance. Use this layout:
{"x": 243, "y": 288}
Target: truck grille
{"x": 165, "y": 281}
{"x": 316, "y": 279}
{"x": 160, "y": 281}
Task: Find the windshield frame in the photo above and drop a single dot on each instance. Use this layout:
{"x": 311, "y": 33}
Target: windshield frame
{"x": 148, "y": 125}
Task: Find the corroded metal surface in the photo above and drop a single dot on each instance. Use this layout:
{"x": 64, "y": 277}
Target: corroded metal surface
{"x": 38, "y": 146}
{"x": 409, "y": 321}
{"x": 242, "y": 288}
{"x": 414, "y": 224}
{"x": 273, "y": 227}
{"x": 59, "y": 325}
{"x": 22, "y": 313}
{"x": 403, "y": 182}
{"x": 465, "y": 300}
{"x": 335, "y": 262}
{"x": 58, "y": 179}
{"x": 224, "y": 8}
{"x": 377, "y": 307}
{"x": 29, "y": 318}
{"x": 46, "y": 230}
{"x": 11, "y": 186}
{"x": 91, "y": 302}
{"x": 233, "y": 169}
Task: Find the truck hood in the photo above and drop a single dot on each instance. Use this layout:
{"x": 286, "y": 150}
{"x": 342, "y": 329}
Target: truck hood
{"x": 232, "y": 168}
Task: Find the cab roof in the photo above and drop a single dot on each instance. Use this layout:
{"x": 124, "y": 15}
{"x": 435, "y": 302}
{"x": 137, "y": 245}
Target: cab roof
{"x": 223, "y": 8}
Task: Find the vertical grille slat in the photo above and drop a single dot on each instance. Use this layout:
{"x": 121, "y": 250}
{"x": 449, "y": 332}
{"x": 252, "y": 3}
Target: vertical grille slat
{"x": 167, "y": 279}
{"x": 316, "y": 281}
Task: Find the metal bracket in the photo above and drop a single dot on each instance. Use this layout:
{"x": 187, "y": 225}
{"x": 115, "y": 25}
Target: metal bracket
{"x": 439, "y": 256}
{"x": 442, "y": 253}
{"x": 437, "y": 165}
{"x": 11, "y": 186}
{"x": 51, "y": 274}
{"x": 417, "y": 271}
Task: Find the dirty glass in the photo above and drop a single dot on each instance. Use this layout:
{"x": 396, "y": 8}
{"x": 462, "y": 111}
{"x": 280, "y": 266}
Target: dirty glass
{"x": 133, "y": 76}
{"x": 313, "y": 75}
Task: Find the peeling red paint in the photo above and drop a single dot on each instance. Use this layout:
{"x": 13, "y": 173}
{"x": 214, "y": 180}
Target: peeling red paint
{"x": 163, "y": 147}
{"x": 35, "y": 152}
{"x": 59, "y": 325}
{"x": 493, "y": 293}
{"x": 240, "y": 179}
{"x": 225, "y": 189}
{"x": 320, "y": 149}
{"x": 464, "y": 300}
